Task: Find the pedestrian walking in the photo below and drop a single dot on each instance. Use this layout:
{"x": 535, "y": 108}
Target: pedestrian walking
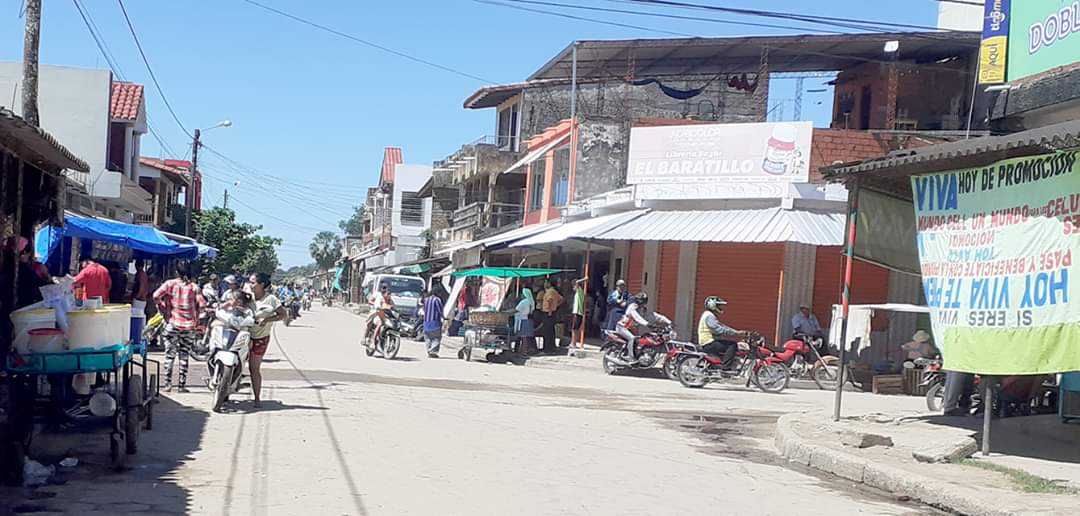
{"x": 433, "y": 319}
{"x": 268, "y": 310}
{"x": 180, "y": 301}
{"x": 550, "y": 304}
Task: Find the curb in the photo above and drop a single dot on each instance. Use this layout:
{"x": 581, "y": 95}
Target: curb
{"x": 949, "y": 496}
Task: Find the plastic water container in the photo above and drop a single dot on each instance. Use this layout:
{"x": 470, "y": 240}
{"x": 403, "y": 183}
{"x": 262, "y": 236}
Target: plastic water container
{"x": 93, "y": 329}
{"x": 27, "y": 320}
{"x": 46, "y": 340}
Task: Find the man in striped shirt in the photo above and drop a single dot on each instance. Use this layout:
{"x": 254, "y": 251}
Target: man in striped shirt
{"x": 180, "y": 301}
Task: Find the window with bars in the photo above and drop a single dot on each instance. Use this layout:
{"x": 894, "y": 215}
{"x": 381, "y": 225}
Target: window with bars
{"x": 412, "y": 209}
{"x": 561, "y": 176}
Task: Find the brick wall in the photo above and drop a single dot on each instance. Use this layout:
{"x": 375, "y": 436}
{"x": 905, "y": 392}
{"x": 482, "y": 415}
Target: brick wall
{"x": 831, "y": 146}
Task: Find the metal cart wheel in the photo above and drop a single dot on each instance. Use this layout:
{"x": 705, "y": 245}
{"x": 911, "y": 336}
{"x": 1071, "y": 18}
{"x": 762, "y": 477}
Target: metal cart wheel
{"x": 133, "y": 413}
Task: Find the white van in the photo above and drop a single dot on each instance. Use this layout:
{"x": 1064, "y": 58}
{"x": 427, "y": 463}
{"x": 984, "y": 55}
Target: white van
{"x": 404, "y": 291}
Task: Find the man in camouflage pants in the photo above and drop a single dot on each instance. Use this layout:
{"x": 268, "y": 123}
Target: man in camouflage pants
{"x": 180, "y": 301}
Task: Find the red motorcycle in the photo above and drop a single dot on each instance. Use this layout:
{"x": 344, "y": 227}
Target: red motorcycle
{"x": 803, "y": 358}
{"x": 651, "y": 348}
{"x": 754, "y": 362}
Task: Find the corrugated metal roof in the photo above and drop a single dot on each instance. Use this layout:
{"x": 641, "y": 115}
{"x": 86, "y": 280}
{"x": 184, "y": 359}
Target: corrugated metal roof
{"x": 35, "y": 145}
{"x": 1043, "y": 139}
{"x": 755, "y": 226}
{"x": 502, "y": 238}
{"x": 580, "y": 229}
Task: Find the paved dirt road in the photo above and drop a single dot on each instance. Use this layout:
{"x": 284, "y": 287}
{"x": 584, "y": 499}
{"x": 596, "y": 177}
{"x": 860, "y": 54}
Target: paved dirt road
{"x": 341, "y": 433}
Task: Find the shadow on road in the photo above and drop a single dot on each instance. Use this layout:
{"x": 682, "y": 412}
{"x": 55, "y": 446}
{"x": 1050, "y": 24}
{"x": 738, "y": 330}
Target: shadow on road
{"x": 147, "y": 484}
{"x": 248, "y": 407}
{"x": 1037, "y": 437}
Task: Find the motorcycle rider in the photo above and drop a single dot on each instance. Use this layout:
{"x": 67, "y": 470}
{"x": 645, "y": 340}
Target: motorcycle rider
{"x": 715, "y": 337}
{"x": 383, "y": 304}
{"x": 637, "y": 316}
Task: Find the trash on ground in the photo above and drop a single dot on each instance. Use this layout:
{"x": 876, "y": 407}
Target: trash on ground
{"x": 36, "y": 473}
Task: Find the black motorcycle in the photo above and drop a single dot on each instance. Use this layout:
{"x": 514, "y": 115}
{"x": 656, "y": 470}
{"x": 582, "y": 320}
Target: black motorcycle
{"x": 386, "y": 339}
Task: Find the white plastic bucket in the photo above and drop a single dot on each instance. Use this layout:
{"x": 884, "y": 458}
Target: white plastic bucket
{"x": 25, "y": 320}
{"x": 91, "y": 329}
{"x": 46, "y": 340}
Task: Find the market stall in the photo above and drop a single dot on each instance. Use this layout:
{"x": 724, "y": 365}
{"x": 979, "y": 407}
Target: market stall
{"x": 490, "y": 324}
{"x": 78, "y": 360}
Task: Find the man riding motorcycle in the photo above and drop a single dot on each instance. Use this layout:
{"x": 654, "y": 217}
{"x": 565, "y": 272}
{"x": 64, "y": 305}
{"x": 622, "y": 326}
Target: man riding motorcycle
{"x": 637, "y": 316}
{"x": 715, "y": 337}
{"x": 383, "y": 304}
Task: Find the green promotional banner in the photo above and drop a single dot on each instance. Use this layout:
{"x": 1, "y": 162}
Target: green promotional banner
{"x": 1043, "y": 34}
{"x": 995, "y": 247}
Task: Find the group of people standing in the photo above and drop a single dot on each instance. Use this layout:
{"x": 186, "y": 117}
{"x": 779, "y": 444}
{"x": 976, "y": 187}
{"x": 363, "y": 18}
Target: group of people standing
{"x": 181, "y": 301}
{"x": 537, "y": 314}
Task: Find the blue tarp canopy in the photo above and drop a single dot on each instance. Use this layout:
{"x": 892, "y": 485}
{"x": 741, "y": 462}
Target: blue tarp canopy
{"x": 139, "y": 238}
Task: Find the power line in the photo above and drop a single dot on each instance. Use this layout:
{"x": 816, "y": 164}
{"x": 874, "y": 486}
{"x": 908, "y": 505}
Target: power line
{"x": 273, "y": 217}
{"x": 150, "y": 70}
{"x": 824, "y": 20}
{"x": 649, "y": 14}
{"x": 572, "y": 17}
{"x": 961, "y": 2}
{"x": 113, "y": 64}
{"x": 371, "y": 44}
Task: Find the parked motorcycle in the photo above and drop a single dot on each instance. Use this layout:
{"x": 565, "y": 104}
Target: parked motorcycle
{"x": 386, "y": 338}
{"x": 151, "y": 334}
{"x": 934, "y": 381}
{"x": 655, "y": 345}
{"x": 804, "y": 359}
{"x": 754, "y": 362}
{"x": 230, "y": 344}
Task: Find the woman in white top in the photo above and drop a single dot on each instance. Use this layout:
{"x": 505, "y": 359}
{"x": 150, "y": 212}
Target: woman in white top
{"x": 268, "y": 309}
{"x": 523, "y": 324}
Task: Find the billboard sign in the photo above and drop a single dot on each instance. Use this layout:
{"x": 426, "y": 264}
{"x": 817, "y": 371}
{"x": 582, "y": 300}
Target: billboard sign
{"x": 769, "y": 152}
{"x": 1044, "y": 34}
{"x": 995, "y": 247}
{"x": 995, "y": 42}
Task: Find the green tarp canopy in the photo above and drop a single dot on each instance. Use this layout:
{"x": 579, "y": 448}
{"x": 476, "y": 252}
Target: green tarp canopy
{"x": 507, "y": 272}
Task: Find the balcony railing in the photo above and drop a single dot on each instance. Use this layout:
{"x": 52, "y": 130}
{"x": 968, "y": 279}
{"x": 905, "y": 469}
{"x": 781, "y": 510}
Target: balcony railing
{"x": 486, "y": 215}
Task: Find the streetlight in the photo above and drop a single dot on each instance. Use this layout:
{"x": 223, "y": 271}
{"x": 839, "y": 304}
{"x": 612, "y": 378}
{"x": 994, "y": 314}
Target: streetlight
{"x": 189, "y": 199}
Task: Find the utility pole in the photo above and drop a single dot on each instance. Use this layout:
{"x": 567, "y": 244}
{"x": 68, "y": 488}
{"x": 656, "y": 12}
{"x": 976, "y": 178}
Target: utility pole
{"x": 189, "y": 199}
{"x": 31, "y": 42}
{"x": 226, "y": 203}
{"x": 798, "y": 98}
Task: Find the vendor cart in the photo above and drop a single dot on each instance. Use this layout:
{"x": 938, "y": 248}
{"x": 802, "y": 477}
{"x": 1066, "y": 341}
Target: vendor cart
{"x": 123, "y": 388}
{"x": 488, "y": 328}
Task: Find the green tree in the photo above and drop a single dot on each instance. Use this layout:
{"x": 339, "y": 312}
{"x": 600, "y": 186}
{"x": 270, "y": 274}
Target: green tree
{"x": 354, "y": 225}
{"x": 240, "y": 248}
{"x": 325, "y": 249}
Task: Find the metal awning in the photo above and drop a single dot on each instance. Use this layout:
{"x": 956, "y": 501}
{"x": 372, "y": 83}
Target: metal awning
{"x": 501, "y": 238}
{"x": 586, "y": 229}
{"x": 536, "y": 154}
{"x": 754, "y": 226}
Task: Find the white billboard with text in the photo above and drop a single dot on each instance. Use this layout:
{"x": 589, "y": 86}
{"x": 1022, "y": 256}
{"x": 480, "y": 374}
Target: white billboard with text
{"x": 762, "y": 152}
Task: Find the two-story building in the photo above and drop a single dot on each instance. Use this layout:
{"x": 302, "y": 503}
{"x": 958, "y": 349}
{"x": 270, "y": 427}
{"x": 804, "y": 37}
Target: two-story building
{"x": 100, "y": 120}
{"x": 697, "y": 194}
{"x": 167, "y": 181}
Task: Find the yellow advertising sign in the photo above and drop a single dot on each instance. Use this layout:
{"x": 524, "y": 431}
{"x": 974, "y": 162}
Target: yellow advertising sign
{"x": 992, "y": 53}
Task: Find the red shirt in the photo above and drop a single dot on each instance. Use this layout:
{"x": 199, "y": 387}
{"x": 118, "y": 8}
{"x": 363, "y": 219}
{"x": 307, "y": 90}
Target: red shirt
{"x": 95, "y": 280}
{"x": 180, "y": 303}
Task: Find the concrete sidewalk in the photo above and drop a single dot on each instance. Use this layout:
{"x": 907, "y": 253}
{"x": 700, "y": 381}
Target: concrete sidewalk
{"x": 880, "y": 451}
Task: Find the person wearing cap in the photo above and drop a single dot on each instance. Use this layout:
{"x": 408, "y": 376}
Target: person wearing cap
{"x": 617, "y": 302}
{"x": 232, "y": 288}
{"x": 805, "y": 323}
{"x": 919, "y": 346}
{"x": 210, "y": 290}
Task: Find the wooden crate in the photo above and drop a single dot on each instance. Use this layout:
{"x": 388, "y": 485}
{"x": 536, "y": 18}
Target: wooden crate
{"x": 888, "y": 384}
{"x": 913, "y": 382}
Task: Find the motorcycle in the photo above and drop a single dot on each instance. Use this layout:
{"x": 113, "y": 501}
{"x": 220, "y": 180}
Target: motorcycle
{"x": 305, "y": 303}
{"x": 803, "y": 358}
{"x": 934, "y": 382}
{"x": 754, "y": 362}
{"x": 230, "y": 344}
{"x": 328, "y": 300}
{"x": 386, "y": 337}
{"x": 292, "y": 310}
{"x": 651, "y": 347}
{"x": 151, "y": 334}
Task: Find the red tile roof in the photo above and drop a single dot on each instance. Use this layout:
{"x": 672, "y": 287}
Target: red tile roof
{"x": 125, "y": 101}
{"x": 391, "y": 157}
{"x": 168, "y": 166}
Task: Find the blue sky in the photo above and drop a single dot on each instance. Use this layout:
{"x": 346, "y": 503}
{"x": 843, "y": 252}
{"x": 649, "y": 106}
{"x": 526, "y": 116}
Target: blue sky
{"x": 318, "y": 108}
